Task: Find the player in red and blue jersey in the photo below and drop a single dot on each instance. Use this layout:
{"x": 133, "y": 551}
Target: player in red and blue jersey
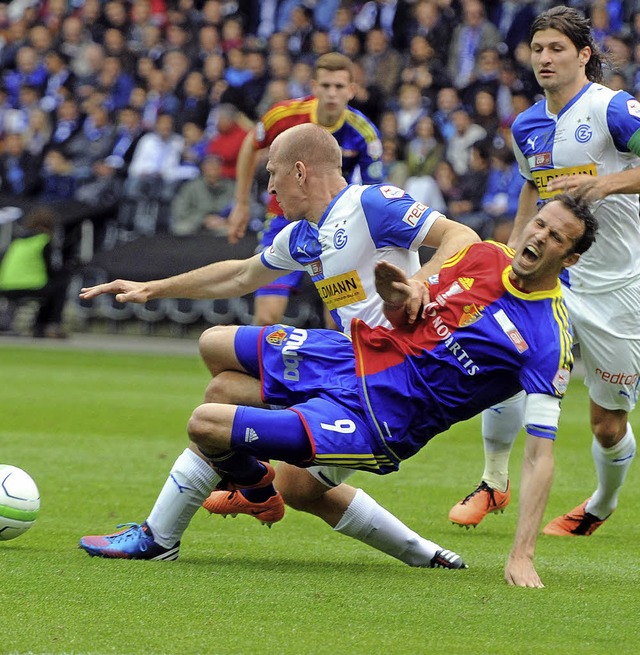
{"x": 359, "y": 141}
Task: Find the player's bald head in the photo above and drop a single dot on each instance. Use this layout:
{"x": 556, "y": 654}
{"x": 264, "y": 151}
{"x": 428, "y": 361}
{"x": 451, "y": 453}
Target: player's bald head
{"x": 310, "y": 144}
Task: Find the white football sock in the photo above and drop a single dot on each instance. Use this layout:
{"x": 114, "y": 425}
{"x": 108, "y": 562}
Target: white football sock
{"x": 190, "y": 482}
{"x": 500, "y": 426}
{"x": 370, "y": 523}
{"x": 611, "y": 465}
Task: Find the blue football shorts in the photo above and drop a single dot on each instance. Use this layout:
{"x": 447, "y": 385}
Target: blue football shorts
{"x": 311, "y": 372}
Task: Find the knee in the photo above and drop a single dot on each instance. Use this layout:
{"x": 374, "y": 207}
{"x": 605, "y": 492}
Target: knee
{"x": 210, "y": 343}
{"x": 218, "y": 391}
{"x": 609, "y": 428}
{"x": 198, "y": 428}
{"x": 299, "y": 490}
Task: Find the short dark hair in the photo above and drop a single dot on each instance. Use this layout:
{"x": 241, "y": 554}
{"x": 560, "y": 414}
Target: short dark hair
{"x": 580, "y": 209}
{"x": 577, "y": 29}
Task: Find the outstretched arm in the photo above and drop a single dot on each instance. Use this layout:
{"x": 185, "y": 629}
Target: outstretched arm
{"x": 226, "y": 279}
{"x": 537, "y": 476}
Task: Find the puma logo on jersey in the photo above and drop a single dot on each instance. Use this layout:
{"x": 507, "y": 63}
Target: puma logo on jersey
{"x": 531, "y": 141}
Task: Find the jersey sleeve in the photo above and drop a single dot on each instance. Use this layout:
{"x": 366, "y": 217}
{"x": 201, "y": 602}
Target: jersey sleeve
{"x": 395, "y": 219}
{"x": 372, "y": 169}
{"x": 278, "y": 254}
{"x": 623, "y": 121}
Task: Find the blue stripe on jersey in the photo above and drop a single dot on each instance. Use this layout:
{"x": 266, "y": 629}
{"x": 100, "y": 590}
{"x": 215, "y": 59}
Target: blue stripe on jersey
{"x": 623, "y": 120}
{"x": 393, "y": 221}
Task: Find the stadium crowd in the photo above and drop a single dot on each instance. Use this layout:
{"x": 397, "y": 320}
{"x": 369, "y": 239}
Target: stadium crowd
{"x": 131, "y": 114}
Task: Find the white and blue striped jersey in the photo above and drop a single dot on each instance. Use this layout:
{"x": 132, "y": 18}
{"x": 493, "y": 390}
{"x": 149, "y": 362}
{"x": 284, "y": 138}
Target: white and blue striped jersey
{"x": 597, "y": 133}
{"x": 362, "y": 225}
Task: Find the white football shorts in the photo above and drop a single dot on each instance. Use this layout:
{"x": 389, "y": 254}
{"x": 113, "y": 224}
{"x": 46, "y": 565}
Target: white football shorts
{"x": 607, "y": 328}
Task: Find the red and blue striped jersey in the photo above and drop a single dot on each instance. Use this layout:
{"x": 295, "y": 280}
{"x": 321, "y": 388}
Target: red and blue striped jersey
{"x": 482, "y": 341}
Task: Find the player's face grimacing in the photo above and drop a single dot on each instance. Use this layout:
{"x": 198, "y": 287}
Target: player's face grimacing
{"x": 546, "y": 247}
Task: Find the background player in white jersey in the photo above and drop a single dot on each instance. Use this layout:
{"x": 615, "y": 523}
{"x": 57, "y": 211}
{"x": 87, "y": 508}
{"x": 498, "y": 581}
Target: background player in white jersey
{"x": 347, "y": 229}
{"x": 583, "y": 138}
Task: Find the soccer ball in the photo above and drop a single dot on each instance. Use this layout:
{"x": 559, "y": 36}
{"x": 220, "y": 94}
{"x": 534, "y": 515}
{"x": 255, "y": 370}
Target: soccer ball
{"x": 19, "y": 502}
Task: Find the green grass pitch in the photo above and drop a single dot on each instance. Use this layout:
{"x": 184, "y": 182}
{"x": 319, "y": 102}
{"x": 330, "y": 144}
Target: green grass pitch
{"x": 99, "y": 431}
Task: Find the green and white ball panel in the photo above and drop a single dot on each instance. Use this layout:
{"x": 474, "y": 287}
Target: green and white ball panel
{"x": 19, "y": 502}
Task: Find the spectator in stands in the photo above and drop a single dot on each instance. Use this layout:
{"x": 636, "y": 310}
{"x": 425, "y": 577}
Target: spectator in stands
{"x": 15, "y": 37}
{"x": 19, "y": 170}
{"x": 341, "y": 24}
{"x": 423, "y": 153}
{"x": 60, "y": 82}
{"x": 424, "y": 68}
{"x": 38, "y": 132}
{"x": 467, "y": 133}
{"x": 103, "y": 188}
{"x": 232, "y": 34}
{"x": 236, "y": 73}
{"x": 175, "y": 65}
{"x": 152, "y": 180}
{"x": 425, "y": 149}
{"x": 41, "y": 40}
{"x": 67, "y": 121}
{"x": 203, "y": 204}
{"x": 28, "y": 70}
{"x": 194, "y": 103}
{"x": 89, "y": 17}
{"x": 432, "y": 24}
{"x": 32, "y": 267}
{"x": 75, "y": 37}
{"x": 277, "y": 91}
{"x": 194, "y": 149}
{"x": 485, "y": 112}
{"x": 394, "y": 164}
{"x": 463, "y": 195}
{"x": 208, "y": 44}
{"x": 447, "y": 101}
{"x": 486, "y": 75}
{"x": 179, "y": 38}
{"x": 500, "y": 201}
{"x": 159, "y": 98}
{"x": 368, "y": 99}
{"x": 115, "y": 45}
{"x": 225, "y": 145}
{"x": 324, "y": 14}
{"x": 115, "y": 82}
{"x": 58, "y": 180}
{"x": 140, "y": 18}
{"x": 351, "y": 46}
{"x": 411, "y": 108}
{"x": 152, "y": 45}
{"x": 382, "y": 64}
{"x": 473, "y": 35}
{"x": 92, "y": 142}
{"x": 299, "y": 30}
{"x": 28, "y": 101}
{"x": 301, "y": 79}
{"x": 620, "y": 53}
{"x": 390, "y": 16}
{"x": 254, "y": 89}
